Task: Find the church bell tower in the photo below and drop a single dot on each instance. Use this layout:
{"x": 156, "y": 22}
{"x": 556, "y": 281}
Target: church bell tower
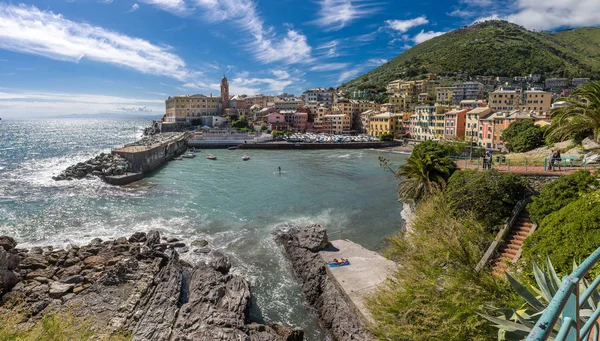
{"x": 224, "y": 92}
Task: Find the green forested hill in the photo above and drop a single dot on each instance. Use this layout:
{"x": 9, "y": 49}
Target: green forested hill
{"x": 493, "y": 48}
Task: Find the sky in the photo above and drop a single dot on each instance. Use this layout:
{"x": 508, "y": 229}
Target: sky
{"x": 65, "y": 57}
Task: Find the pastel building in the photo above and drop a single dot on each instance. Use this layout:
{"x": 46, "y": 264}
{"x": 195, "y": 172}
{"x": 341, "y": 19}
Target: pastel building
{"x": 472, "y": 128}
{"x": 454, "y": 124}
{"x": 467, "y": 91}
{"x": 276, "y": 121}
{"x": 336, "y": 123}
{"x": 385, "y": 123}
{"x": 443, "y": 95}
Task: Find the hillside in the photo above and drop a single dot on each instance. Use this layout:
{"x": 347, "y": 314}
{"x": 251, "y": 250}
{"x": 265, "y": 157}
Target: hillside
{"x": 493, "y": 48}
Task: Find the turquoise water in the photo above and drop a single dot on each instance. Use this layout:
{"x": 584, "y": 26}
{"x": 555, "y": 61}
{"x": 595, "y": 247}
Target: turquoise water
{"x": 232, "y": 203}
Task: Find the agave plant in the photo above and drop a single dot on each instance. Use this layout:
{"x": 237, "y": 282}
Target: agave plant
{"x": 515, "y": 324}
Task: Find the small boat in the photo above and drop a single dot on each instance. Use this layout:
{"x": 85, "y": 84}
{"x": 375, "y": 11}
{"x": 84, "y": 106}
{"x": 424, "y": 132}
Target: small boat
{"x": 211, "y": 157}
{"x": 245, "y": 157}
{"x": 188, "y": 155}
{"x": 177, "y": 158}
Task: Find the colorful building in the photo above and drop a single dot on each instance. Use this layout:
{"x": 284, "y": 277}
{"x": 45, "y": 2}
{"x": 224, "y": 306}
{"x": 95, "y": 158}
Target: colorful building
{"x": 472, "y": 128}
{"x": 385, "y": 123}
{"x": 337, "y": 123}
{"x": 454, "y": 124}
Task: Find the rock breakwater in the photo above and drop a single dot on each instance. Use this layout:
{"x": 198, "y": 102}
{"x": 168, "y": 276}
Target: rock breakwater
{"x": 301, "y": 246}
{"x": 136, "y": 285}
{"x": 100, "y": 166}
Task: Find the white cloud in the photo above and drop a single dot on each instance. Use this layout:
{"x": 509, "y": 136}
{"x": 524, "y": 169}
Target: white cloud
{"x": 376, "y": 61}
{"x": 405, "y": 25}
{"x": 329, "y": 67}
{"x": 548, "y": 15}
{"x": 266, "y": 46}
{"x": 26, "y": 29}
{"x": 424, "y": 36}
{"x": 346, "y": 75}
{"x": 177, "y": 7}
{"x": 134, "y": 8}
{"x": 16, "y": 103}
{"x": 330, "y": 48}
{"x": 337, "y": 14}
{"x": 461, "y": 13}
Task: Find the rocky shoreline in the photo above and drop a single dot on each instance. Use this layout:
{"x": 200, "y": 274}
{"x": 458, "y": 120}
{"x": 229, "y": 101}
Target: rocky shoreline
{"x": 137, "y": 285}
{"x": 301, "y": 247}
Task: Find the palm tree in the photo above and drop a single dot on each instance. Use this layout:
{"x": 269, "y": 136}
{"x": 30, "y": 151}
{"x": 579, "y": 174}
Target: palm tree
{"x": 581, "y": 114}
{"x": 424, "y": 174}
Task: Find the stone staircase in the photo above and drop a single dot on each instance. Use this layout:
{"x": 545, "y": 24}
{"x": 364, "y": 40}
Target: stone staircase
{"x": 510, "y": 250}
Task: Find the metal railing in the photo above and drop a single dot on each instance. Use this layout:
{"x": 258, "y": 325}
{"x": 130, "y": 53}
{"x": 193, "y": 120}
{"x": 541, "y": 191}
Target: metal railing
{"x": 565, "y": 310}
{"x": 544, "y": 165}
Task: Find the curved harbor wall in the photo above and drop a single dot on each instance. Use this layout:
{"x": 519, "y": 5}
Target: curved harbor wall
{"x": 290, "y": 146}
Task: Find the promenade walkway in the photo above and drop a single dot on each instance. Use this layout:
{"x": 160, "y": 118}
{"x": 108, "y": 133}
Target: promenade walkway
{"x": 367, "y": 270}
{"x": 527, "y": 168}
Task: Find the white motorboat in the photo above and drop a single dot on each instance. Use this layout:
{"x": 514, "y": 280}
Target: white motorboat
{"x": 211, "y": 157}
{"x": 188, "y": 155}
{"x": 245, "y": 157}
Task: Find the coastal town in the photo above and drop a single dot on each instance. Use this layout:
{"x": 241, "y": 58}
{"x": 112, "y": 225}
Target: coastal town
{"x": 434, "y": 108}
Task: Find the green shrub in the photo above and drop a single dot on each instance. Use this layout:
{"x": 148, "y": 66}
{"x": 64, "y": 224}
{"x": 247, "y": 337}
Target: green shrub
{"x": 489, "y": 196}
{"x": 572, "y": 233}
{"x": 52, "y": 326}
{"x": 435, "y": 294}
{"x": 386, "y": 136}
{"x": 560, "y": 193}
{"x": 522, "y": 136}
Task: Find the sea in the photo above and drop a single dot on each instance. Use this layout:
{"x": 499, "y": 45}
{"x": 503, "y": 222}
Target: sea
{"x": 235, "y": 205}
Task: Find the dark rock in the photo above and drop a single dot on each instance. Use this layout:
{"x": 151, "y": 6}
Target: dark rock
{"x": 34, "y": 262}
{"x": 8, "y": 280}
{"x": 155, "y": 323}
{"x": 202, "y": 250}
{"x": 58, "y": 290}
{"x": 70, "y": 271}
{"x": 200, "y": 242}
{"x": 47, "y": 273}
{"x": 220, "y": 262}
{"x": 121, "y": 240}
{"x": 7, "y": 243}
{"x": 95, "y": 242}
{"x": 152, "y": 238}
{"x": 71, "y": 261}
{"x": 119, "y": 273}
{"x": 172, "y": 240}
{"x": 176, "y": 244}
{"x": 313, "y": 238}
{"x": 36, "y": 250}
{"x": 74, "y": 279}
{"x": 137, "y": 237}
{"x": 10, "y": 260}
{"x": 287, "y": 333}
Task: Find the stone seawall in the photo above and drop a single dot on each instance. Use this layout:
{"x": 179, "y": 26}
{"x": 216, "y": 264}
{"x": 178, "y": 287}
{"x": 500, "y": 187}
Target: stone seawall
{"x": 137, "y": 285}
{"x": 147, "y": 158}
{"x": 291, "y": 146}
{"x": 338, "y": 316}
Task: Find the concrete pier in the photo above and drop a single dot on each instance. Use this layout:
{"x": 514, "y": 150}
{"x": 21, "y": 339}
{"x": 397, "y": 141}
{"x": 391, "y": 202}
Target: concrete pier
{"x": 367, "y": 270}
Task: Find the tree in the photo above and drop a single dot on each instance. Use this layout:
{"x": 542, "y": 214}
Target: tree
{"x": 425, "y": 172}
{"x": 573, "y": 232}
{"x": 386, "y": 137}
{"x": 582, "y": 113}
{"x": 240, "y": 124}
{"x": 263, "y": 127}
{"x": 560, "y": 193}
{"x": 522, "y": 136}
{"x": 489, "y": 196}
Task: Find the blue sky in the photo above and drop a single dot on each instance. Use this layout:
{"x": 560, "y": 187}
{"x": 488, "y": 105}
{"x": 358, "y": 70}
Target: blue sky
{"x": 121, "y": 56}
